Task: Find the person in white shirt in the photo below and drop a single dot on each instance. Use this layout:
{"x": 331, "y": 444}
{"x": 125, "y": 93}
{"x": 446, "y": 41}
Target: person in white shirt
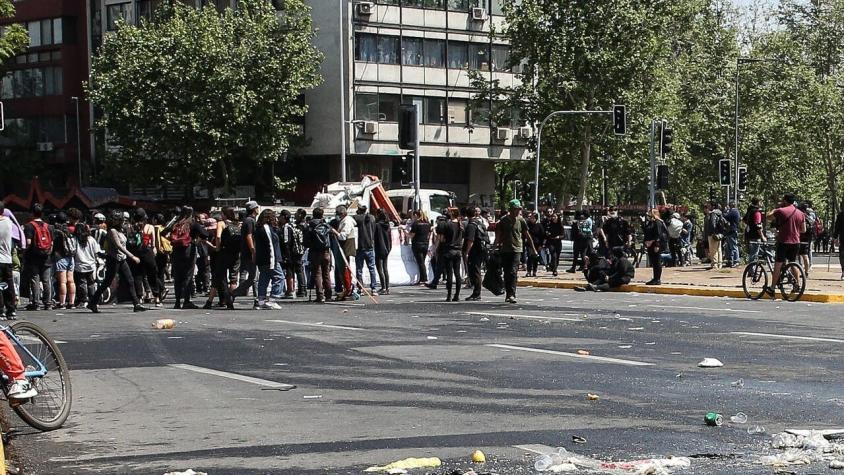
{"x": 86, "y": 263}
{"x": 7, "y": 277}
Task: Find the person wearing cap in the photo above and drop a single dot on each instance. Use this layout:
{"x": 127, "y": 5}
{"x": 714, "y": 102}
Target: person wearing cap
{"x": 99, "y": 229}
{"x": 247, "y": 253}
{"x": 511, "y": 233}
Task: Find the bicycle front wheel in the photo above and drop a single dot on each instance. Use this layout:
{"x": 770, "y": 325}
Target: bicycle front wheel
{"x": 792, "y": 282}
{"x": 754, "y": 280}
{"x": 50, "y": 408}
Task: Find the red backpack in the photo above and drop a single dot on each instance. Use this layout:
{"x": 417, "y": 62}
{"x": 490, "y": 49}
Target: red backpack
{"x": 43, "y": 241}
{"x": 180, "y": 236}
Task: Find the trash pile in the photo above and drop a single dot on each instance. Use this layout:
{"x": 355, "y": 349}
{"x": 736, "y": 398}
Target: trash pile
{"x": 804, "y": 448}
{"x": 562, "y": 461}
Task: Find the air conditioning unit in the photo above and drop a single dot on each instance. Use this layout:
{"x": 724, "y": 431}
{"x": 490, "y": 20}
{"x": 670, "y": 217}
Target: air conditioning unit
{"x": 525, "y": 132}
{"x": 502, "y": 134}
{"x": 370, "y": 127}
{"x": 44, "y": 146}
{"x": 365, "y": 8}
{"x": 479, "y": 14}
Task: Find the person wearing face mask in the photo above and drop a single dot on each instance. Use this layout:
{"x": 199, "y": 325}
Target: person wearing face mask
{"x": 656, "y": 240}
{"x": 617, "y": 231}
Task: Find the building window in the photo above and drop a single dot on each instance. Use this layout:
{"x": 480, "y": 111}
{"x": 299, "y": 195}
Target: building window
{"x": 388, "y": 49}
{"x": 435, "y": 53}
{"x": 457, "y": 111}
{"x": 388, "y": 2}
{"x": 458, "y": 55}
{"x": 114, "y": 13}
{"x": 366, "y": 47}
{"x": 33, "y": 82}
{"x": 435, "y": 110}
{"x": 34, "y": 28}
{"x": 478, "y": 56}
{"x": 500, "y": 58}
{"x": 432, "y": 4}
{"x": 480, "y": 114}
{"x": 411, "y": 51}
{"x": 388, "y": 107}
{"x": 375, "y": 107}
{"x": 465, "y": 5}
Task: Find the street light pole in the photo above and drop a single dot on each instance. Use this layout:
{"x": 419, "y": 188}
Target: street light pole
{"x": 342, "y": 96}
{"x": 78, "y": 141}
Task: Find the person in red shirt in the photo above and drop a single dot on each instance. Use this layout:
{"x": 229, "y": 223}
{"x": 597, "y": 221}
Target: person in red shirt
{"x": 790, "y": 223}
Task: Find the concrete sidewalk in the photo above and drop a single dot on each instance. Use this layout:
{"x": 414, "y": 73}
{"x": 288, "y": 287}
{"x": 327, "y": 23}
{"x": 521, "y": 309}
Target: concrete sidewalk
{"x": 822, "y": 286}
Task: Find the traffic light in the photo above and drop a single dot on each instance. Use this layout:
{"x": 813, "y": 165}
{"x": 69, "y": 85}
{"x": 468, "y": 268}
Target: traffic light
{"x": 712, "y": 196}
{"x": 408, "y": 125}
{"x": 406, "y": 169}
{"x": 619, "y": 119}
{"x": 725, "y": 177}
{"x": 742, "y": 178}
{"x": 662, "y": 174}
{"x": 667, "y": 140}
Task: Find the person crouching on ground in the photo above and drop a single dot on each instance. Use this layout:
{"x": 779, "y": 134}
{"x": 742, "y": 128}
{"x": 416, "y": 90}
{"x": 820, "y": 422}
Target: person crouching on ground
{"x": 620, "y": 272}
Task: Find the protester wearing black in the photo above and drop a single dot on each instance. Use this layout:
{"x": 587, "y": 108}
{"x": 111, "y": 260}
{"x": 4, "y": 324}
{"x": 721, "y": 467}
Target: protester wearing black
{"x": 554, "y": 232}
{"x": 38, "y": 262}
{"x": 247, "y": 253}
{"x": 617, "y": 231}
{"x": 604, "y": 276}
{"x": 383, "y": 246}
{"x": 449, "y": 252}
{"x": 228, "y": 244}
{"x": 141, "y": 243}
{"x": 299, "y": 250}
{"x": 366, "y": 248}
{"x": 656, "y": 240}
{"x": 537, "y": 233}
{"x": 116, "y": 257}
{"x": 183, "y": 236}
{"x": 318, "y": 243}
{"x": 838, "y": 237}
{"x": 420, "y": 240}
{"x": 475, "y": 251}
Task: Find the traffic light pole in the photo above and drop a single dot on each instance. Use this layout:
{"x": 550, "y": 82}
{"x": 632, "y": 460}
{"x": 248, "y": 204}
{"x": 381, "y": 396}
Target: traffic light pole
{"x": 539, "y": 147}
{"x": 417, "y": 168}
{"x": 652, "y": 166}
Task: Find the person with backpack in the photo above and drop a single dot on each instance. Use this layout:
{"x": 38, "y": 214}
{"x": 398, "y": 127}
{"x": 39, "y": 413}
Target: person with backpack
{"x": 247, "y": 253}
{"x": 716, "y": 227}
{"x": 365, "y": 253}
{"x": 182, "y": 236}
{"x": 85, "y": 263}
{"x": 420, "y": 241}
{"x": 64, "y": 250}
{"x": 475, "y": 252}
{"x": 754, "y": 230}
{"x": 537, "y": 233}
{"x": 731, "y": 236}
{"x": 656, "y": 239}
{"x": 383, "y": 246}
{"x": 162, "y": 255}
{"x": 141, "y": 241}
{"x": 554, "y": 232}
{"x": 675, "y": 232}
{"x": 225, "y": 247}
{"x": 318, "y": 242}
{"x": 807, "y": 236}
{"x": 300, "y": 228}
{"x": 38, "y": 261}
{"x": 117, "y": 256}
{"x": 449, "y": 252}
{"x": 287, "y": 240}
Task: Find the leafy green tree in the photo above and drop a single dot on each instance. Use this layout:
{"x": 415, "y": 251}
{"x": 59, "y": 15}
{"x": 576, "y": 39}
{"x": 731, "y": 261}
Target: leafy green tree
{"x": 15, "y": 38}
{"x": 201, "y": 97}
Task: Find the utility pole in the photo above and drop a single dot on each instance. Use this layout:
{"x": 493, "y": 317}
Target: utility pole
{"x": 343, "y": 7}
{"x": 78, "y": 142}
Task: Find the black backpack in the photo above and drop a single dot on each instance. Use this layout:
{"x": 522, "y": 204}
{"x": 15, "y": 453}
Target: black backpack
{"x": 231, "y": 237}
{"x": 321, "y": 236}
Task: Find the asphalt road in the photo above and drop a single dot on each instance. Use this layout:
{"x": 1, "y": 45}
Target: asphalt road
{"x": 414, "y": 377}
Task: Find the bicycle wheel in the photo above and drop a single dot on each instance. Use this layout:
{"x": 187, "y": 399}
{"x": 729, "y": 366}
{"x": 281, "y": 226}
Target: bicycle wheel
{"x": 50, "y": 408}
{"x": 754, "y": 280}
{"x": 792, "y": 282}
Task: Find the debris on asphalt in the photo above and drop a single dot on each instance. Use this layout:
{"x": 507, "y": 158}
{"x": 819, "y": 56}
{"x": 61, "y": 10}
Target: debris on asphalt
{"x": 407, "y": 464}
{"x": 756, "y": 430}
{"x": 807, "y": 448}
{"x": 578, "y": 439}
{"x": 484, "y": 319}
{"x": 563, "y": 461}
{"x": 592, "y": 397}
{"x": 838, "y": 464}
{"x": 710, "y": 363}
{"x": 583, "y": 352}
{"x": 186, "y": 472}
{"x": 713, "y": 419}
{"x": 636, "y": 329}
{"x": 625, "y": 347}
{"x": 319, "y": 396}
{"x": 164, "y": 324}
{"x": 432, "y": 338}
{"x": 649, "y": 466}
{"x": 478, "y": 457}
{"x": 739, "y": 418}
{"x": 738, "y": 384}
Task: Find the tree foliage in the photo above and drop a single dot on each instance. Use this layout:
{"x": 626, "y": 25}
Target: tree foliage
{"x": 200, "y": 97}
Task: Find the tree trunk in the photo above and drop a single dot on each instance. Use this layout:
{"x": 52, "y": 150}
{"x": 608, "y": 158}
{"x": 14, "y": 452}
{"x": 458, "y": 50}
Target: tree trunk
{"x": 585, "y": 152}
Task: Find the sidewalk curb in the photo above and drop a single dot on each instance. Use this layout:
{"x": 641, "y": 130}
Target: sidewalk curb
{"x": 661, "y": 289}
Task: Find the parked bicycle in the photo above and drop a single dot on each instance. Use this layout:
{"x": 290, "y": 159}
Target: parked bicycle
{"x": 46, "y": 371}
{"x": 758, "y": 274}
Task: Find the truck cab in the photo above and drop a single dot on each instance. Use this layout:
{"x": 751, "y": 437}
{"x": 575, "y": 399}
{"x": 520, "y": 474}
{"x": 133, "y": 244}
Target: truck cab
{"x": 432, "y": 201}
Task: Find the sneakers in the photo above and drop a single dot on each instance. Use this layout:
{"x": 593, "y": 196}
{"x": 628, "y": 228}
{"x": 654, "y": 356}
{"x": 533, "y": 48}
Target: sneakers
{"x": 269, "y": 306}
{"x": 510, "y": 300}
{"x": 653, "y": 282}
{"x": 92, "y": 306}
{"x": 208, "y": 305}
{"x": 139, "y": 308}
{"x": 189, "y": 306}
{"x": 11, "y": 315}
{"x": 21, "y": 389}
{"x": 473, "y": 298}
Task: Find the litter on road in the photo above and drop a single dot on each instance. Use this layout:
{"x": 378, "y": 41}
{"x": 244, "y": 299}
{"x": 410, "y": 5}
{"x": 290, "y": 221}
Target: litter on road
{"x": 478, "y": 457}
{"x": 186, "y": 472}
{"x": 164, "y": 324}
{"x": 407, "y": 464}
{"x": 710, "y": 363}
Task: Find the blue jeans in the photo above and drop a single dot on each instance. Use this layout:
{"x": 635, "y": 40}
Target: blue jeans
{"x": 732, "y": 249}
{"x": 369, "y": 257}
{"x": 754, "y": 247}
{"x": 270, "y": 276}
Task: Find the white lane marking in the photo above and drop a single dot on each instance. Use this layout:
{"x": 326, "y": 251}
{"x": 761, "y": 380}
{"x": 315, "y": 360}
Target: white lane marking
{"x": 706, "y": 308}
{"x": 789, "y": 337}
{"x": 59, "y": 342}
{"x": 223, "y": 374}
{"x": 318, "y": 325}
{"x": 536, "y": 448}
{"x": 346, "y": 304}
{"x": 601, "y": 359}
{"x": 529, "y": 317}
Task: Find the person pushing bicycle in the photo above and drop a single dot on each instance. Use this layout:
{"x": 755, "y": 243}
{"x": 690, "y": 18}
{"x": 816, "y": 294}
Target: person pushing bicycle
{"x": 790, "y": 223}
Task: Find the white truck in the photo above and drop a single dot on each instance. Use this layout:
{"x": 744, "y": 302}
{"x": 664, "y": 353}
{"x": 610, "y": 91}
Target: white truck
{"x": 432, "y": 201}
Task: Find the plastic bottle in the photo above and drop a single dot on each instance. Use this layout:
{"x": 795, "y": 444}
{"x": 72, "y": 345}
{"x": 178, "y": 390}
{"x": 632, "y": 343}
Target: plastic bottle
{"x": 545, "y": 462}
{"x": 164, "y": 324}
{"x": 755, "y": 430}
{"x": 739, "y": 418}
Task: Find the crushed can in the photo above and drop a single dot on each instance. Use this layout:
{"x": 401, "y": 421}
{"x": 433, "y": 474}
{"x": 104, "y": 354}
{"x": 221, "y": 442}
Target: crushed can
{"x": 713, "y": 419}
{"x": 164, "y": 324}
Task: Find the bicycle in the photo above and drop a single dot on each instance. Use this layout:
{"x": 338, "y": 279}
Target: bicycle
{"x": 46, "y": 371}
{"x": 755, "y": 279}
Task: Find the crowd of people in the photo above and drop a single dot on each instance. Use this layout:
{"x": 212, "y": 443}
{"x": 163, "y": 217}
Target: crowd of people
{"x": 70, "y": 259}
